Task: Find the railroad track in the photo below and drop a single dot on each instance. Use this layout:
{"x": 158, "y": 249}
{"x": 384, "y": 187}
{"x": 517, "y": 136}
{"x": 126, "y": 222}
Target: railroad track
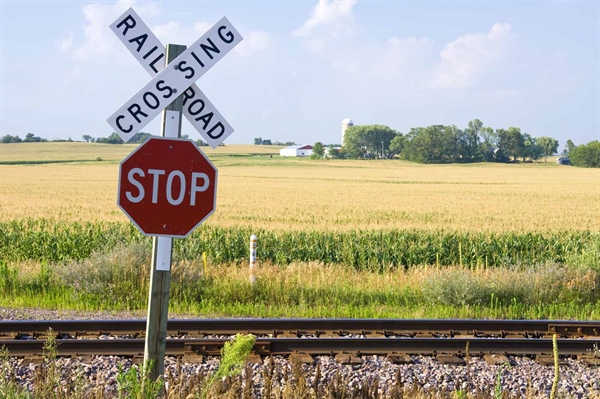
{"x": 289, "y": 328}
{"x": 352, "y": 337}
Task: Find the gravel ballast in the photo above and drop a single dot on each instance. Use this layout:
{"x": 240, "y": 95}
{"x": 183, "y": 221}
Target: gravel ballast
{"x": 524, "y": 377}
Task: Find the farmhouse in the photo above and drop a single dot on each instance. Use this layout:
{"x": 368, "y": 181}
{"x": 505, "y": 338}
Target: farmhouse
{"x": 296, "y": 151}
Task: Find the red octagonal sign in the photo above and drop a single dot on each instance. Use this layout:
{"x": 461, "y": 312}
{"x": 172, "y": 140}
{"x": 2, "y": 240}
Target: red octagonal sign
{"x": 167, "y": 187}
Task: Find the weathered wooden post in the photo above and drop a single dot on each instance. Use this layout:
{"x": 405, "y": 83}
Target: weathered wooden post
{"x": 162, "y": 254}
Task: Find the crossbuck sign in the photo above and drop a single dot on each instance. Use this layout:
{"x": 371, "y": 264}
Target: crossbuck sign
{"x": 174, "y": 79}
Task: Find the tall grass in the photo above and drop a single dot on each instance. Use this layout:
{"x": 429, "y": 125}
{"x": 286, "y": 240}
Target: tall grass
{"x": 118, "y": 280}
{"x": 380, "y": 250}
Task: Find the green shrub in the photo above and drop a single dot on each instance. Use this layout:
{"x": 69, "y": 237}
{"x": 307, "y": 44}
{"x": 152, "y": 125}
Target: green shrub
{"x": 586, "y": 155}
{"x": 121, "y": 274}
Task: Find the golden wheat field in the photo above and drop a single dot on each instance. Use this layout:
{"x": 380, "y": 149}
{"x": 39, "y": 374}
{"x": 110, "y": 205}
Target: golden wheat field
{"x": 281, "y": 193}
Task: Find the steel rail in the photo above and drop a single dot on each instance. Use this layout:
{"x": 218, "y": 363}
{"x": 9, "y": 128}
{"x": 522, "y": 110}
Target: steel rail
{"x": 318, "y": 346}
{"x": 200, "y": 328}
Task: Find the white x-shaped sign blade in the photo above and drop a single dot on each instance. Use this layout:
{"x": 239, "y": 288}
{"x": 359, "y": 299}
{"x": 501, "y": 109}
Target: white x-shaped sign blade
{"x": 172, "y": 80}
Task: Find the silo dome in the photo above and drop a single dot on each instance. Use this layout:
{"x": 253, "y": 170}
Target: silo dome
{"x": 348, "y": 121}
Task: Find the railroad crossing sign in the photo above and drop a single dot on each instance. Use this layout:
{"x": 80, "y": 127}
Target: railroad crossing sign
{"x": 167, "y": 187}
{"x": 173, "y": 80}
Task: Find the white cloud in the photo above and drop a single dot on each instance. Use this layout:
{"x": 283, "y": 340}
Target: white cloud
{"x": 333, "y": 14}
{"x": 175, "y": 33}
{"x": 202, "y": 27}
{"x": 100, "y": 41}
{"x": 401, "y": 54}
{"x": 98, "y": 38}
{"x": 331, "y": 34}
{"x": 464, "y": 61}
{"x": 253, "y": 42}
{"x": 65, "y": 44}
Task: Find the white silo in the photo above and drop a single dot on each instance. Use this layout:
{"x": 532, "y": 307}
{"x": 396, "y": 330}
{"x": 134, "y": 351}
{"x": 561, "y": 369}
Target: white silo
{"x": 346, "y": 123}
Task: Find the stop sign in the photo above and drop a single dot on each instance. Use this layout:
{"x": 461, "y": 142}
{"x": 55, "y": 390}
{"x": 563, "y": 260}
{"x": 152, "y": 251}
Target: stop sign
{"x": 167, "y": 187}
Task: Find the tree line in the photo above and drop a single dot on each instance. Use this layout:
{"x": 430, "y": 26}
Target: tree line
{"x": 114, "y": 138}
{"x": 29, "y": 138}
{"x": 261, "y": 141}
{"x": 449, "y": 144}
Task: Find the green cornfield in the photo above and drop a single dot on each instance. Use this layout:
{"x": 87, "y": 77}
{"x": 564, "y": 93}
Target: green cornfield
{"x": 375, "y": 250}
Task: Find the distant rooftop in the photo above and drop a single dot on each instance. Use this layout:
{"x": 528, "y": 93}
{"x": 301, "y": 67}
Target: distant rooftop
{"x": 299, "y": 147}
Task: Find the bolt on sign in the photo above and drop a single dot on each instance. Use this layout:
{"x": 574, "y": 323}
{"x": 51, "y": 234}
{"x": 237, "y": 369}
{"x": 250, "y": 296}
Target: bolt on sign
{"x": 173, "y": 80}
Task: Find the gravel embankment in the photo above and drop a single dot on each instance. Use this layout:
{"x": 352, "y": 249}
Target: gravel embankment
{"x": 524, "y": 378}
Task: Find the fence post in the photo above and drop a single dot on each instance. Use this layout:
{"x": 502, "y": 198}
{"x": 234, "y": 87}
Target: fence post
{"x": 252, "y": 259}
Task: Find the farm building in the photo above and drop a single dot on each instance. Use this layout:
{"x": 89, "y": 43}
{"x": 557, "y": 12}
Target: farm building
{"x": 564, "y": 161}
{"x": 296, "y": 151}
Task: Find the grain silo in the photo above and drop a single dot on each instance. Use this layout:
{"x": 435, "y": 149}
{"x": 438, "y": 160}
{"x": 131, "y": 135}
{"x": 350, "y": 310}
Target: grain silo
{"x": 346, "y": 123}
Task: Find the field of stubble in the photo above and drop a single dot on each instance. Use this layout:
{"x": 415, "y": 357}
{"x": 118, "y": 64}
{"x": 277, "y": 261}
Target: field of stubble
{"x": 298, "y": 194}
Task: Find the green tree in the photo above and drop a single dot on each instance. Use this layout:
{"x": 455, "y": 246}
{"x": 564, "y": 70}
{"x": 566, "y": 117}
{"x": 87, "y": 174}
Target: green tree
{"x": 334, "y": 153}
{"x": 10, "y": 139}
{"x": 433, "y": 144}
{"x": 87, "y": 138}
{"x": 139, "y": 137}
{"x": 368, "y": 141}
{"x": 568, "y": 147}
{"x": 467, "y": 141}
{"x": 511, "y": 142}
{"x": 489, "y": 143}
{"x": 531, "y": 148}
{"x": 548, "y": 145}
{"x": 258, "y": 140}
{"x": 586, "y": 155}
{"x": 31, "y": 138}
{"x": 397, "y": 144}
{"x": 318, "y": 151}
{"x": 114, "y": 138}
{"x": 267, "y": 142}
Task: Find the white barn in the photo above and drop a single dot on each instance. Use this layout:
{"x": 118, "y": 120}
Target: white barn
{"x": 296, "y": 151}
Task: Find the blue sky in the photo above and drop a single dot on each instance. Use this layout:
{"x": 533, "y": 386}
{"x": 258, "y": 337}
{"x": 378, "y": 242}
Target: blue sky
{"x": 303, "y": 66}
